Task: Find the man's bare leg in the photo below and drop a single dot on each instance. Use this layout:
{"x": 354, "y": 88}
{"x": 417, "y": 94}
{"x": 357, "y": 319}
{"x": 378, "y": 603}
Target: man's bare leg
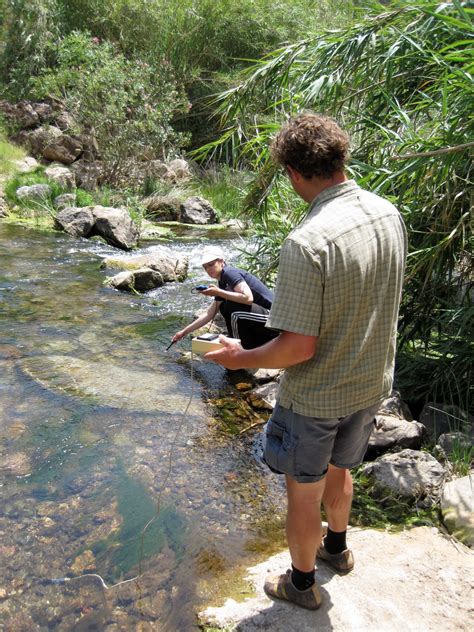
{"x": 337, "y": 498}
{"x": 337, "y": 501}
{"x": 303, "y": 521}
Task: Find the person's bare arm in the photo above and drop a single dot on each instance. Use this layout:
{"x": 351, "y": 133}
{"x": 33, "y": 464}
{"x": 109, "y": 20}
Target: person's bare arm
{"x": 240, "y": 294}
{"x": 286, "y": 350}
{"x": 199, "y": 322}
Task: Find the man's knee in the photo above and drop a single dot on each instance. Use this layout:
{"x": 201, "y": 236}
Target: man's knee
{"x": 304, "y": 493}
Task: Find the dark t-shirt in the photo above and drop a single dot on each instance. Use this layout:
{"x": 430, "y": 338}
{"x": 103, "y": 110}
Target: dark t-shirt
{"x": 230, "y": 277}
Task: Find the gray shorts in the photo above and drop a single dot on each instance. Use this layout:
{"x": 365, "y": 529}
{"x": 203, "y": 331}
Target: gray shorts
{"x": 304, "y": 446}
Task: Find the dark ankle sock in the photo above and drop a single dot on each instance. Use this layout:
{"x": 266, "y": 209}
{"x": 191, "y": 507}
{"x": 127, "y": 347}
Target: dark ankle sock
{"x": 335, "y": 542}
{"x": 302, "y": 580}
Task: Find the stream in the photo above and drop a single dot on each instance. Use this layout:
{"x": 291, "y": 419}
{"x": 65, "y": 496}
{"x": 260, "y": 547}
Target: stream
{"x": 103, "y": 478}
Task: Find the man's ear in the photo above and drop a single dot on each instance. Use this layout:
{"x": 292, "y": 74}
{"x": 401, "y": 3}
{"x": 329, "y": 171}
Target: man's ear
{"x": 293, "y": 173}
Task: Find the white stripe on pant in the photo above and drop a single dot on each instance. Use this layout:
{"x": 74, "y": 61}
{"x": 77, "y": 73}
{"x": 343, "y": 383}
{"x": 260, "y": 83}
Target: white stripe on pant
{"x": 259, "y": 318}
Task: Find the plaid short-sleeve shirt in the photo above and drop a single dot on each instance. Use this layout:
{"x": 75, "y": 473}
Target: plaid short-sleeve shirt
{"x": 340, "y": 278}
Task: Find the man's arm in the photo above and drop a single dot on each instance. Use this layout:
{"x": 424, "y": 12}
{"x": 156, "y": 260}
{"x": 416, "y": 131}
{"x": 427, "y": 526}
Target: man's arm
{"x": 286, "y": 350}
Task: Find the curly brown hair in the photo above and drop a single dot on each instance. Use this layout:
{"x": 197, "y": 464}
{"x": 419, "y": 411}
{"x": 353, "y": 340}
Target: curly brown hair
{"x": 313, "y": 144}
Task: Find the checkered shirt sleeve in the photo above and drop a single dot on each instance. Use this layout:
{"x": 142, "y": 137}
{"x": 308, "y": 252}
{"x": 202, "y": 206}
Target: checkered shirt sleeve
{"x": 298, "y": 294}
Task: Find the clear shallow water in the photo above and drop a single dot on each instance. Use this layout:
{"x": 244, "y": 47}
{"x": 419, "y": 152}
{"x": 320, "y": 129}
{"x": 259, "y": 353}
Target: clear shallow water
{"x": 94, "y": 447}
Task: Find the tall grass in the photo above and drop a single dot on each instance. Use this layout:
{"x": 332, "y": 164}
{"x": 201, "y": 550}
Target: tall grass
{"x": 9, "y": 153}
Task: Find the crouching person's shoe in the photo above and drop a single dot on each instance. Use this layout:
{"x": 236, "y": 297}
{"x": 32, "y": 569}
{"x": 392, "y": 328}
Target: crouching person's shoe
{"x": 341, "y": 562}
{"x": 281, "y": 587}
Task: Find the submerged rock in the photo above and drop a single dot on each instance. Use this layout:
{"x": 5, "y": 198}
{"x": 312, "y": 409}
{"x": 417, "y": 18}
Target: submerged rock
{"x": 84, "y": 562}
{"x": 16, "y": 464}
{"x": 104, "y": 383}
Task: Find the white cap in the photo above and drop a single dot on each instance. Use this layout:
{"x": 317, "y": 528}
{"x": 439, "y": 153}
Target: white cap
{"x": 211, "y": 254}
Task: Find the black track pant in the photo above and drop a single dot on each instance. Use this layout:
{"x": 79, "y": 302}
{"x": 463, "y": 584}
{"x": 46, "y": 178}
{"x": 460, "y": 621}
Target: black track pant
{"x": 247, "y": 322}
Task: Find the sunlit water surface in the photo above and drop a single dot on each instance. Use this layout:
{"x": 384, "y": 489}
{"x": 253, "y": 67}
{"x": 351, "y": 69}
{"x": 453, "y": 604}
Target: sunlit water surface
{"x": 100, "y": 471}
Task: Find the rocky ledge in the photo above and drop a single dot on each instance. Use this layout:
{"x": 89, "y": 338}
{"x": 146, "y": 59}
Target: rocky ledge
{"x": 418, "y": 579}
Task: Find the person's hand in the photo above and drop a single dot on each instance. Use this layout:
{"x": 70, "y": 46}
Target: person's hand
{"x": 178, "y": 335}
{"x": 230, "y": 354}
{"x": 212, "y": 290}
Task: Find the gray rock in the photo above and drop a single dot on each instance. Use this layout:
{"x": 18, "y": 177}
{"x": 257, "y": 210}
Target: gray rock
{"x": 40, "y": 138}
{"x": 440, "y": 418}
{"x": 44, "y": 111}
{"x": 454, "y": 443}
{"x": 116, "y": 226}
{"x": 34, "y": 192}
{"x": 395, "y": 407}
{"x": 156, "y": 168}
{"x": 65, "y": 200}
{"x": 88, "y": 174}
{"x": 64, "y": 121}
{"x": 457, "y": 508}
{"x": 264, "y": 396}
{"x": 171, "y": 266}
{"x": 180, "y": 169}
{"x": 26, "y": 165}
{"x": 141, "y": 280}
{"x": 22, "y": 114}
{"x": 236, "y": 224}
{"x": 65, "y": 149}
{"x": 408, "y": 473}
{"x": 174, "y": 172}
{"x": 113, "y": 224}
{"x": 61, "y": 175}
{"x": 262, "y": 376}
{"x": 49, "y": 142}
{"x": 390, "y": 432}
{"x": 77, "y": 222}
{"x": 163, "y": 208}
{"x": 197, "y": 210}
{"x": 414, "y": 580}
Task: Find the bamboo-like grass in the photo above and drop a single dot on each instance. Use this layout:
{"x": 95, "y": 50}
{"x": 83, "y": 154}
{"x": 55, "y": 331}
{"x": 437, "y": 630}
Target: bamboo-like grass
{"x": 401, "y": 83}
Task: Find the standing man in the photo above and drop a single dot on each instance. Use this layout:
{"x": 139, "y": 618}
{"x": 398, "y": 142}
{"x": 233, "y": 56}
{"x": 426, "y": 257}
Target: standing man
{"x": 336, "y": 304}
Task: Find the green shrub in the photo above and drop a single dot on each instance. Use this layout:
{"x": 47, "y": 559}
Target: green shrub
{"x": 127, "y": 105}
{"x": 27, "y": 27}
{"x": 84, "y": 198}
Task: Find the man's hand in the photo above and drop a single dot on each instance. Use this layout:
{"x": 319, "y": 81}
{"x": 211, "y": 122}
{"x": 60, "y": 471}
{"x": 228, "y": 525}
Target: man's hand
{"x": 229, "y": 356}
{"x": 286, "y": 350}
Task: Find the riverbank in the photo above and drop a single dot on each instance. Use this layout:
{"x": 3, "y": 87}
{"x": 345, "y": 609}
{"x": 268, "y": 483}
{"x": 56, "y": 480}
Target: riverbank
{"x": 418, "y": 580}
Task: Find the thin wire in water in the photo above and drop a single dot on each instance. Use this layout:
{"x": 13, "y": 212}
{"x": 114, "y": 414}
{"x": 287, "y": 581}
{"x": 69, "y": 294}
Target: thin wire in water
{"x": 96, "y": 576}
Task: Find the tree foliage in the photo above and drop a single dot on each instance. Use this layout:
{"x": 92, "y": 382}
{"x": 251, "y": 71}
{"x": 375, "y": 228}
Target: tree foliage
{"x": 126, "y": 105}
{"x": 401, "y": 83}
{"x": 202, "y": 41}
